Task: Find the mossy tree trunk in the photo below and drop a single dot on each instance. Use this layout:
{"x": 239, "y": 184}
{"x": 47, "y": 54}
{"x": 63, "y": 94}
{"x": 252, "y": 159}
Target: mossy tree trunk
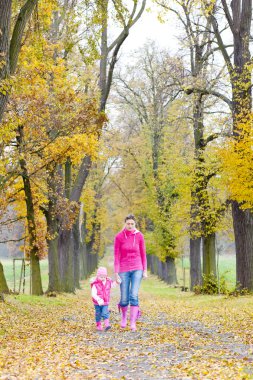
{"x": 209, "y": 255}
{"x": 30, "y": 215}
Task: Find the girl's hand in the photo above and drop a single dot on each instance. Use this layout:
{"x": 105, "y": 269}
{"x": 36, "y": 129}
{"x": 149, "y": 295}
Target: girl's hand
{"x": 100, "y": 302}
{"x": 145, "y": 274}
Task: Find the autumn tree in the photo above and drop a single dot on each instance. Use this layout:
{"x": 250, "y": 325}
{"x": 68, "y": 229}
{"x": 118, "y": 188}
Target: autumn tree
{"x": 201, "y": 83}
{"x": 108, "y": 55}
{"x": 238, "y": 16}
{"x": 10, "y": 45}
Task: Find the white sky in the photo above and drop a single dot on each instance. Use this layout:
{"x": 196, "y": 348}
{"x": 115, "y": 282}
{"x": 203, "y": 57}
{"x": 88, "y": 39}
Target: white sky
{"x": 148, "y": 27}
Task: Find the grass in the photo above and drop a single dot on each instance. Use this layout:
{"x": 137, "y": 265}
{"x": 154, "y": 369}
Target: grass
{"x": 60, "y": 300}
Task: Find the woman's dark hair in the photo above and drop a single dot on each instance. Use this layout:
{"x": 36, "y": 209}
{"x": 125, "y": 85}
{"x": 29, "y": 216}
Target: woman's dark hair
{"x": 130, "y": 216}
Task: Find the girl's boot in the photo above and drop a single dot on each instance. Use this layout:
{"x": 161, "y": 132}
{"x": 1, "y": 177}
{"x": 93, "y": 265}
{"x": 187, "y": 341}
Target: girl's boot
{"x": 107, "y": 324}
{"x": 123, "y": 322}
{"x": 99, "y": 326}
{"x": 134, "y": 310}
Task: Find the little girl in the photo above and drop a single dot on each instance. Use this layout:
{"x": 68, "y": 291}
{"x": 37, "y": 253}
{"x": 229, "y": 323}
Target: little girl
{"x": 100, "y": 290}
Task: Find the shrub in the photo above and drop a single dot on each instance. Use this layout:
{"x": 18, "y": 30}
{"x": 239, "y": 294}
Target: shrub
{"x": 211, "y": 285}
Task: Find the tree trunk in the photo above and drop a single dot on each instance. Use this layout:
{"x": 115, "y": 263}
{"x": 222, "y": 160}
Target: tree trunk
{"x": 76, "y": 253}
{"x": 66, "y": 259}
{"x": 165, "y": 276}
{"x": 242, "y": 103}
{"x": 83, "y": 246}
{"x": 156, "y": 265}
{"x": 160, "y": 269}
{"x": 195, "y": 262}
{"x": 3, "y": 283}
{"x": 54, "y": 190}
{"x": 54, "y": 283}
{"x": 209, "y": 255}
{"x": 83, "y": 261}
{"x": 171, "y": 270}
{"x": 36, "y": 275}
{"x": 243, "y": 229}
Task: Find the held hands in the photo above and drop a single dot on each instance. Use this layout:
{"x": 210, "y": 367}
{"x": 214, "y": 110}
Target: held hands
{"x": 118, "y": 279}
{"x": 145, "y": 274}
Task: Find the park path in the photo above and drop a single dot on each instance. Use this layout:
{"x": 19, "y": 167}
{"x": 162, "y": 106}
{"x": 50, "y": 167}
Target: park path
{"x": 180, "y": 336}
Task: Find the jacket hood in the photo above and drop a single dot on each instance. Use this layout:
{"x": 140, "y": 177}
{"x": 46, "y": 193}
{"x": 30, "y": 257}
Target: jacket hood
{"x": 132, "y": 232}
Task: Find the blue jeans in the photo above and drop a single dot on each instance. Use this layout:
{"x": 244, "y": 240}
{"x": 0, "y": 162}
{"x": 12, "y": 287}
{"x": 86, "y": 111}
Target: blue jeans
{"x": 101, "y": 312}
{"x": 129, "y": 287}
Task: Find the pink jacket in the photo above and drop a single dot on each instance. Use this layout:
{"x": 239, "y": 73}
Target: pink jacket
{"x": 129, "y": 251}
{"x": 103, "y": 290}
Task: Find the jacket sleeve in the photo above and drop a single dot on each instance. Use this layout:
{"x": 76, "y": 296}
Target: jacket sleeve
{"x": 116, "y": 254}
{"x": 143, "y": 252}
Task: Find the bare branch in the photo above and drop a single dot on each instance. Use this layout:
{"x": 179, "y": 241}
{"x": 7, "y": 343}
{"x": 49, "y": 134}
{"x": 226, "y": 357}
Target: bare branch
{"x": 205, "y": 91}
{"x": 128, "y": 25}
{"x": 221, "y": 44}
{"x": 228, "y": 15}
{"x": 13, "y": 240}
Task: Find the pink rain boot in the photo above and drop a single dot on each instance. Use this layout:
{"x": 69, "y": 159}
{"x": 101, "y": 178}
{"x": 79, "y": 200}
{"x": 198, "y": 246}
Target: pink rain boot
{"x": 134, "y": 311}
{"x": 99, "y": 326}
{"x": 107, "y": 324}
{"x": 123, "y": 322}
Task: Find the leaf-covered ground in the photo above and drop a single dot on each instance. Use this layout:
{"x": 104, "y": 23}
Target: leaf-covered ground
{"x": 180, "y": 336}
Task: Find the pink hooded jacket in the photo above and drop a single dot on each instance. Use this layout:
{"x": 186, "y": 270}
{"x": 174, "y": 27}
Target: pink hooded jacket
{"x": 129, "y": 251}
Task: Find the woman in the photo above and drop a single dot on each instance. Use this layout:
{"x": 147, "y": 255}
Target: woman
{"x": 130, "y": 265}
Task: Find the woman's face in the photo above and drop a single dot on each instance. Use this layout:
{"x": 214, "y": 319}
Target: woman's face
{"x": 130, "y": 224}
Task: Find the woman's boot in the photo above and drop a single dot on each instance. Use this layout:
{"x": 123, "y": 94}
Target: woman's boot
{"x": 134, "y": 311}
{"x": 123, "y": 309}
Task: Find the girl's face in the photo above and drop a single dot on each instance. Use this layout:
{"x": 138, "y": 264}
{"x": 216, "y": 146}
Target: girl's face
{"x": 101, "y": 277}
{"x": 130, "y": 224}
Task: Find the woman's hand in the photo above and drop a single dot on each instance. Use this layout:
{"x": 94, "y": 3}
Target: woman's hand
{"x": 145, "y": 274}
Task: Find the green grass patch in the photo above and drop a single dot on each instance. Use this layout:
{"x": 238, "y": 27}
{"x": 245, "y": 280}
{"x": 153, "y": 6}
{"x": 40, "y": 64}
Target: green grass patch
{"x": 156, "y": 287}
{"x": 59, "y": 300}
{"x": 226, "y": 267}
{"x": 9, "y": 274}
{"x": 160, "y": 291}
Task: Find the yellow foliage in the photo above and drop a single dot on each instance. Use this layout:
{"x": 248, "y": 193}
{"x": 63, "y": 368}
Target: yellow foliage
{"x": 237, "y": 164}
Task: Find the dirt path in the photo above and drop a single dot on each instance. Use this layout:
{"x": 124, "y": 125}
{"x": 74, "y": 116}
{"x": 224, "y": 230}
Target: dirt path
{"x": 180, "y": 336}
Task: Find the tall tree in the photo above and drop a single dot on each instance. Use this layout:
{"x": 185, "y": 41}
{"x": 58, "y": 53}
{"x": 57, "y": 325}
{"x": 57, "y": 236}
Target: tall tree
{"x": 10, "y": 45}
{"x": 148, "y": 89}
{"x": 108, "y": 58}
{"x": 198, "y": 40}
{"x": 239, "y": 18}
